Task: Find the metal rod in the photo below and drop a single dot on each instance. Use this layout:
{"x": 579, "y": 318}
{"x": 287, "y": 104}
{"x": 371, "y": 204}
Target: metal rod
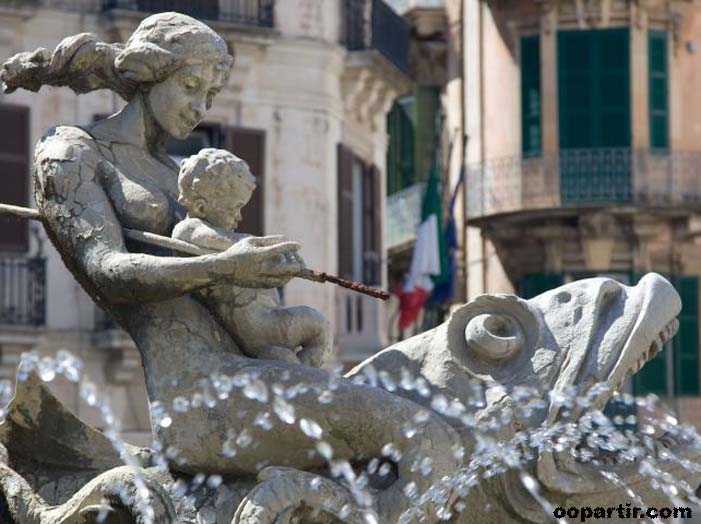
{"x": 191, "y": 249}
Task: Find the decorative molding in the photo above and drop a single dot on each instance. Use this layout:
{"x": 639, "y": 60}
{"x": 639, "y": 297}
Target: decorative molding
{"x": 369, "y": 85}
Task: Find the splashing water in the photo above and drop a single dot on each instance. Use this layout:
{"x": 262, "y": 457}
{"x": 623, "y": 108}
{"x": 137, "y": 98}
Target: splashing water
{"x": 591, "y": 439}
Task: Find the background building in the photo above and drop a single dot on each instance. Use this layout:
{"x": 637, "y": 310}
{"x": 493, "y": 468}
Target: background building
{"x": 306, "y": 106}
{"x": 583, "y": 156}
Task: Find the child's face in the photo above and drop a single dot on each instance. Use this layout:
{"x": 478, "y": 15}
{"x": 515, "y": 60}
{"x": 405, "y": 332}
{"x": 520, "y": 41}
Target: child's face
{"x": 224, "y": 210}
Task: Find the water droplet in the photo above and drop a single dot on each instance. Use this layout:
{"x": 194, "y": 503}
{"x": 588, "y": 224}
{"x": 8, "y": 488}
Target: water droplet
{"x": 325, "y": 397}
{"x": 310, "y": 428}
{"x": 315, "y": 483}
{"x": 256, "y": 390}
{"x": 88, "y": 392}
{"x": 325, "y": 450}
{"x": 46, "y": 369}
{"x": 244, "y": 439}
{"x": 409, "y": 431}
{"x": 263, "y": 421}
{"x": 284, "y": 410}
{"x": 214, "y": 481}
{"x": 180, "y": 404}
{"x": 410, "y": 489}
{"x": 422, "y": 416}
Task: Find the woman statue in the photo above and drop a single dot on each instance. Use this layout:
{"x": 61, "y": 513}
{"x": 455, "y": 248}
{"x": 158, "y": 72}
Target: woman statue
{"x": 92, "y": 181}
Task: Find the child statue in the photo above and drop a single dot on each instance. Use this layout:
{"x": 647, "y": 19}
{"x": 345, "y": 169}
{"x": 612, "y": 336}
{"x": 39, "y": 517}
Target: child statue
{"x": 214, "y": 186}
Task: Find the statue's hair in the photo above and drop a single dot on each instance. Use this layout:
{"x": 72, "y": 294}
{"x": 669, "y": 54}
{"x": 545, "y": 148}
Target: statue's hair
{"x": 211, "y": 171}
{"x": 160, "y": 45}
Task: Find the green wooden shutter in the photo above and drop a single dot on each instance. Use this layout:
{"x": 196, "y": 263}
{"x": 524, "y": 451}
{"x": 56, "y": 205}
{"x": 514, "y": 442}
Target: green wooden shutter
{"x": 400, "y": 150}
{"x": 530, "y": 97}
{"x": 659, "y": 115}
{"x": 534, "y": 284}
{"x": 686, "y": 343}
{"x": 594, "y": 115}
{"x": 575, "y": 93}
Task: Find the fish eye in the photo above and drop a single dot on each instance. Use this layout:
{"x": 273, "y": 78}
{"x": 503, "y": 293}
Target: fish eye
{"x": 494, "y": 336}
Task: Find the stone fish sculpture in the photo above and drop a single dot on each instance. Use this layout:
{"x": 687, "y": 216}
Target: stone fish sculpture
{"x": 91, "y": 182}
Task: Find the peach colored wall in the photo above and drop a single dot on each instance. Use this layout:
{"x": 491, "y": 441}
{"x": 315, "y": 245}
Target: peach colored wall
{"x": 687, "y": 68}
{"x": 502, "y": 90}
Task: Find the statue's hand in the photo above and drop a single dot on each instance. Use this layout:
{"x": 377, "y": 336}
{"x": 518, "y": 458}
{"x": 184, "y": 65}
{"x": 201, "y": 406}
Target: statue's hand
{"x": 260, "y": 262}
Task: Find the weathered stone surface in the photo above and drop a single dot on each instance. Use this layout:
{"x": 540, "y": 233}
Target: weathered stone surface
{"x": 214, "y": 186}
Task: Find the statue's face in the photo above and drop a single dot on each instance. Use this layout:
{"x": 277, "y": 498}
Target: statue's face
{"x": 180, "y": 102}
{"x": 224, "y": 212}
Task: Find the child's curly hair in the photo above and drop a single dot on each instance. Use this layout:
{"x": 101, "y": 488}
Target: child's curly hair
{"x": 209, "y": 173}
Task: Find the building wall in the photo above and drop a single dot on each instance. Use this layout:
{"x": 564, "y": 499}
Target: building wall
{"x": 592, "y": 238}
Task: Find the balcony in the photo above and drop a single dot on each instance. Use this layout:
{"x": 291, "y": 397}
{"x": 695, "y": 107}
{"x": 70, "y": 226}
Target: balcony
{"x": 584, "y": 178}
{"x": 22, "y": 291}
{"x": 373, "y": 25}
{"x": 258, "y": 13}
{"x": 403, "y": 216}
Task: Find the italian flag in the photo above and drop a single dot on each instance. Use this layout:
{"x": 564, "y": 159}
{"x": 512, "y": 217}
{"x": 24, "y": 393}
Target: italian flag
{"x": 429, "y": 259}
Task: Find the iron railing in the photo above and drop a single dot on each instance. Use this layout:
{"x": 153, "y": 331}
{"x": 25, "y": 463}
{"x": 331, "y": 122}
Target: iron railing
{"x": 402, "y": 6}
{"x": 372, "y": 24}
{"x": 257, "y": 13}
{"x": 403, "y": 215}
{"x": 23, "y": 291}
{"x": 246, "y": 12}
{"x": 584, "y": 177}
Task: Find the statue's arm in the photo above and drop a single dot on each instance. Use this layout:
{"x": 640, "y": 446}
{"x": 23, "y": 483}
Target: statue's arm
{"x": 81, "y": 217}
{"x": 86, "y": 230}
{"x": 199, "y": 233}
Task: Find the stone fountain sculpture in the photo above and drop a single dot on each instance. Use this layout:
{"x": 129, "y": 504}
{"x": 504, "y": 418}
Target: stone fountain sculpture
{"x": 401, "y": 438}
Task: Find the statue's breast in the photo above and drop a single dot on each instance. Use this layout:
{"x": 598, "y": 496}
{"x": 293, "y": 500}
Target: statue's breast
{"x": 142, "y": 190}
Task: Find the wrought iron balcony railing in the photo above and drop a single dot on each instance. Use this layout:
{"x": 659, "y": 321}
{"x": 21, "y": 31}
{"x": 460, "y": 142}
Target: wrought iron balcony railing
{"x": 403, "y": 215}
{"x": 372, "y": 24}
{"x": 23, "y": 291}
{"x": 258, "y": 13}
{"x": 246, "y": 12}
{"x": 584, "y": 177}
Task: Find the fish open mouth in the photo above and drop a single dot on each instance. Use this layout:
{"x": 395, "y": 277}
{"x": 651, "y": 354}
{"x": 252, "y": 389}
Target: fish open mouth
{"x": 633, "y": 328}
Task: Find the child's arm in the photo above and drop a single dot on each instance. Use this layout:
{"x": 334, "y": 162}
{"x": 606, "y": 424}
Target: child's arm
{"x": 198, "y": 232}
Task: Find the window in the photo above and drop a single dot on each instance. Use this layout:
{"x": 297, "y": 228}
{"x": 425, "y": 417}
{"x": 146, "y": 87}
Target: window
{"x": 400, "y": 150}
{"x": 530, "y": 97}
{"x": 594, "y": 85}
{"x": 359, "y": 219}
{"x": 413, "y": 126}
{"x": 14, "y": 174}
{"x": 675, "y": 369}
{"x": 594, "y": 115}
{"x": 657, "y": 56}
